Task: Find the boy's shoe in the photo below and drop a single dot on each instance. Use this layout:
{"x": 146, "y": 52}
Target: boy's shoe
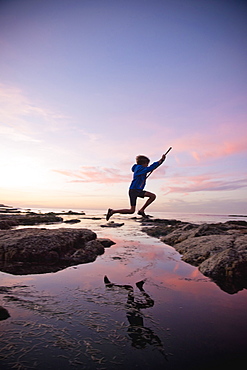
{"x": 109, "y": 214}
{"x": 142, "y": 213}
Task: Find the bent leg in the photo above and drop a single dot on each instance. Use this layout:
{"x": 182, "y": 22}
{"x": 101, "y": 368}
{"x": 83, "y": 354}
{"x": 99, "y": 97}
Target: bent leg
{"x": 124, "y": 211}
{"x": 111, "y": 212}
{"x": 151, "y": 197}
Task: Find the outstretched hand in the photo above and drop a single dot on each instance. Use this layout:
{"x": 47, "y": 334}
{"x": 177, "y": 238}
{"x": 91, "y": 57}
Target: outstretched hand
{"x": 162, "y": 159}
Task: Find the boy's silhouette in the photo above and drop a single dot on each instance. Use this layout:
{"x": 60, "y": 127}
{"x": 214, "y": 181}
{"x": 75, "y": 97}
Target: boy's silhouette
{"x": 136, "y": 189}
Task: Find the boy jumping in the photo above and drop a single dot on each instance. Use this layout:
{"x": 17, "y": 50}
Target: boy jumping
{"x": 136, "y": 189}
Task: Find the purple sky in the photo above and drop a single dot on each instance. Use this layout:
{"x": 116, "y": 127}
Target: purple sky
{"x": 88, "y": 85}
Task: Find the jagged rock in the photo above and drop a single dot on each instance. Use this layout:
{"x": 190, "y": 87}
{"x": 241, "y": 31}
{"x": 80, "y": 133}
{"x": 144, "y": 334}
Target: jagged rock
{"x": 195, "y": 250}
{"x": 219, "y": 250}
{"x": 32, "y": 250}
{"x": 228, "y": 268}
{"x": 106, "y": 242}
{"x": 87, "y": 254}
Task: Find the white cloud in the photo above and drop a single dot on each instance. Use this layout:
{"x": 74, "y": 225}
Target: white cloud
{"x": 14, "y": 135}
{"x": 22, "y": 120}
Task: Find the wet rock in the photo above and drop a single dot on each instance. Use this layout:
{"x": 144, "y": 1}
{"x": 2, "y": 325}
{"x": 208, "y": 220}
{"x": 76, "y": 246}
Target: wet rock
{"x": 92, "y": 218}
{"x": 87, "y": 254}
{"x": 73, "y": 221}
{"x": 4, "y": 313}
{"x": 168, "y": 222}
{"x": 106, "y": 242}
{"x": 8, "y": 221}
{"x": 195, "y": 250}
{"x": 73, "y": 213}
{"x": 219, "y": 250}
{"x": 7, "y": 224}
{"x": 112, "y": 224}
{"x": 228, "y": 268}
{"x": 31, "y": 250}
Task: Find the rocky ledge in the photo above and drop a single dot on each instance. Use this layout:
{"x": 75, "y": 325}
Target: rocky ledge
{"x": 8, "y": 221}
{"x": 219, "y": 250}
{"x": 38, "y": 250}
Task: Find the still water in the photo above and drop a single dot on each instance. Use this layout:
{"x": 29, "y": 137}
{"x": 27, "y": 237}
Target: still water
{"x": 176, "y": 319}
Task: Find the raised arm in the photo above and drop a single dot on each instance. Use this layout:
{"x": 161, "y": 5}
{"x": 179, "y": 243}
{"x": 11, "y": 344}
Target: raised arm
{"x": 162, "y": 159}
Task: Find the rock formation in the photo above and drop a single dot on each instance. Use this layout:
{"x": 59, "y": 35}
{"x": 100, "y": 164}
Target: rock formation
{"x": 38, "y": 250}
{"x": 9, "y": 221}
{"x": 219, "y": 250}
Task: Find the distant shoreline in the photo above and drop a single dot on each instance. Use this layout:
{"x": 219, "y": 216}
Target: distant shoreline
{"x": 187, "y": 217}
{"x": 237, "y": 215}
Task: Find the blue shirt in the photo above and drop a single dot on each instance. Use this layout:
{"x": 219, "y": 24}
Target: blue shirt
{"x": 140, "y": 174}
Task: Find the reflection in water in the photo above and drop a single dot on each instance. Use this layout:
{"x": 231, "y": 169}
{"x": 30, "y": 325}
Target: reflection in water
{"x": 139, "y": 334}
{"x": 70, "y": 320}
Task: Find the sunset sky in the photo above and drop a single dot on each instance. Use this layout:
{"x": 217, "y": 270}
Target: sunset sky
{"x": 86, "y": 85}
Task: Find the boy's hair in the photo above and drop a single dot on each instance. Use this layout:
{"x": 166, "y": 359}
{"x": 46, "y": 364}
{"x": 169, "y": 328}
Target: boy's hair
{"x": 141, "y": 159}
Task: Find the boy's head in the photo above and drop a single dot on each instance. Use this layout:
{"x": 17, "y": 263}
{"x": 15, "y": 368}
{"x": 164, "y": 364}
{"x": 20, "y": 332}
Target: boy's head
{"x": 142, "y": 160}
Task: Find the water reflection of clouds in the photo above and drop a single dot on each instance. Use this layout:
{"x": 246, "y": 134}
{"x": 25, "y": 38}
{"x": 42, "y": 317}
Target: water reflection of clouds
{"x": 95, "y": 320}
{"x": 130, "y": 257}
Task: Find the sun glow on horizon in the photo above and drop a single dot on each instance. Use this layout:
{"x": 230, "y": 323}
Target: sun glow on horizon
{"x": 22, "y": 172}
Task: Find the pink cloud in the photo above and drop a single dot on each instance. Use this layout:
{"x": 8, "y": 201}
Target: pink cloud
{"x": 224, "y": 149}
{"x": 96, "y": 174}
{"x": 203, "y": 183}
{"x": 102, "y": 175}
{"x": 215, "y": 143}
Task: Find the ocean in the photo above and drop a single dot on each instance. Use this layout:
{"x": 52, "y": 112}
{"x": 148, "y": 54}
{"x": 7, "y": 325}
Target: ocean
{"x": 71, "y": 319}
{"x": 187, "y": 217}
